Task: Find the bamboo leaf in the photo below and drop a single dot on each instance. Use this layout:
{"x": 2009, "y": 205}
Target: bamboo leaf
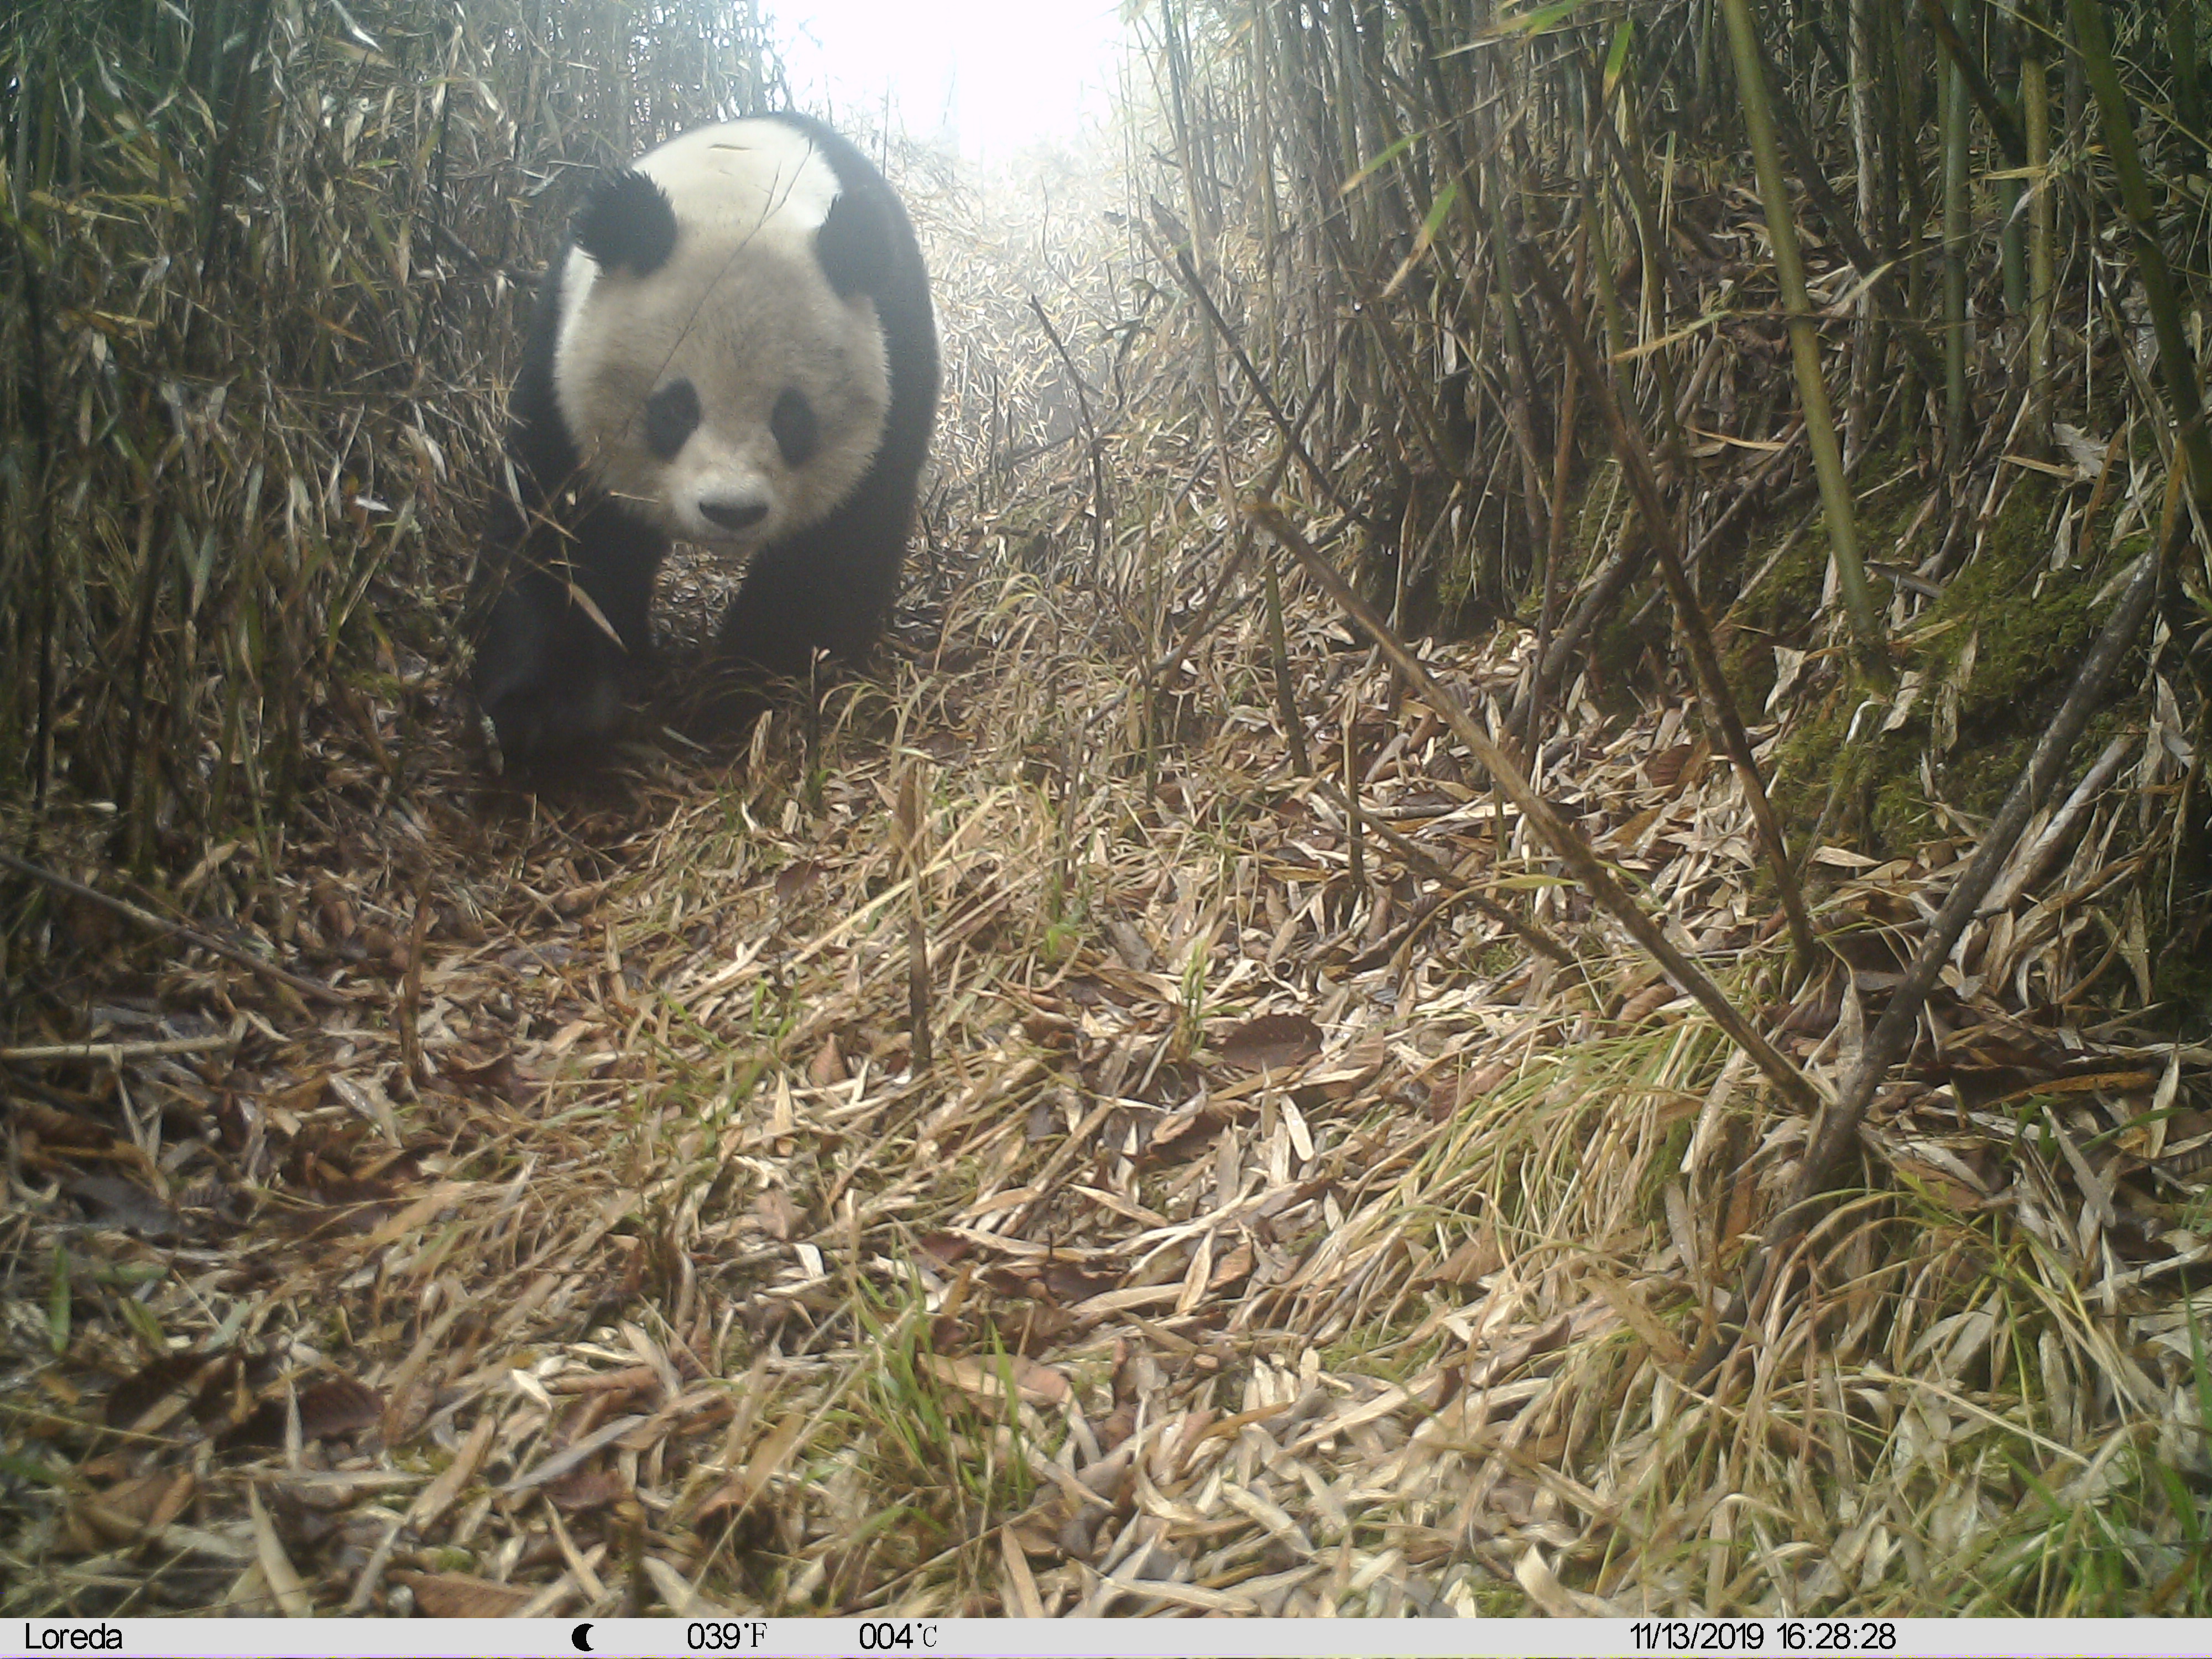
{"x": 1542, "y": 20}
{"x": 1616, "y": 58}
{"x": 1430, "y": 226}
{"x": 58, "y": 1301}
{"x": 1390, "y": 154}
{"x": 1519, "y": 26}
{"x": 1675, "y": 338}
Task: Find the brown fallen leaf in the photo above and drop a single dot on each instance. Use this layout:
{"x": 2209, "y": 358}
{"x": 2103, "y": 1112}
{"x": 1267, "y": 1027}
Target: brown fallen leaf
{"x": 337, "y": 1406}
{"x": 132, "y": 1398}
{"x": 1230, "y": 1268}
{"x": 1473, "y": 1261}
{"x": 778, "y": 1215}
{"x": 1271, "y": 1043}
{"x": 1649, "y": 1000}
{"x": 1040, "y": 1385}
{"x": 131, "y": 1508}
{"x": 828, "y": 1066}
{"x": 458, "y": 1595}
{"x": 587, "y": 1489}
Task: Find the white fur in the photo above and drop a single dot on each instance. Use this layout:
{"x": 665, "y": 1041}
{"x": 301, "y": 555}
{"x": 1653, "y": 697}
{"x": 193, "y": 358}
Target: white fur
{"x": 742, "y": 310}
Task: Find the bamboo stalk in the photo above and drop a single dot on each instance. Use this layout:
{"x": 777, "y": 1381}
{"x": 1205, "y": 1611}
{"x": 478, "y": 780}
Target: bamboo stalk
{"x": 2012, "y": 239}
{"x": 2181, "y": 53}
{"x": 1804, "y": 342}
{"x": 1860, "y": 43}
{"x": 2035, "y": 107}
{"x": 1959, "y": 57}
{"x": 1838, "y": 1125}
{"x": 1555, "y": 554}
{"x": 1286, "y": 692}
{"x": 1476, "y": 204}
{"x": 1652, "y": 246}
{"x": 2175, "y": 362}
{"x": 1958, "y": 404}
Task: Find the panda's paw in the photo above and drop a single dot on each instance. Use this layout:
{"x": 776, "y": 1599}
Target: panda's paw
{"x": 555, "y": 722}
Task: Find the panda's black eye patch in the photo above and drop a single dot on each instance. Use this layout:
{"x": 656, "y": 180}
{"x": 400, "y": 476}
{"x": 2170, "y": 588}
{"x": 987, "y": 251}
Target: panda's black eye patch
{"x": 671, "y": 415}
{"x": 798, "y": 434}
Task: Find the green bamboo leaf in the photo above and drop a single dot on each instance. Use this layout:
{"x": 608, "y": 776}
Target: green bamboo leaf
{"x": 1388, "y": 154}
{"x": 25, "y": 1470}
{"x": 24, "y": 232}
{"x": 58, "y": 1303}
{"x": 140, "y": 1319}
{"x": 1540, "y": 21}
{"x": 1422, "y": 243}
{"x": 1438, "y": 209}
{"x": 1616, "y": 58}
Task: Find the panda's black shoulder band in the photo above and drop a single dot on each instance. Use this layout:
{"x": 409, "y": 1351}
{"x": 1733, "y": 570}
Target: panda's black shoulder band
{"x": 627, "y": 222}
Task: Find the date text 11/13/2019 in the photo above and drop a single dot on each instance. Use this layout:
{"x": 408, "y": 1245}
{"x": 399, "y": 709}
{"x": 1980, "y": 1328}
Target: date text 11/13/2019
{"x": 1765, "y": 1636}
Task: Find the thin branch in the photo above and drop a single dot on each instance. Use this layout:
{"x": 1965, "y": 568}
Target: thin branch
{"x": 147, "y": 918}
{"x": 1100, "y": 508}
{"x": 1456, "y": 891}
{"x": 1505, "y": 768}
{"x": 115, "y": 1053}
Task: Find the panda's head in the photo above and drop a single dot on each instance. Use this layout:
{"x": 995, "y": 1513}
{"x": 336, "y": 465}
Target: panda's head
{"x": 717, "y": 359}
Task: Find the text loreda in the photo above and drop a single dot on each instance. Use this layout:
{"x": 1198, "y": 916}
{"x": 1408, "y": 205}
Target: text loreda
{"x": 72, "y": 1638}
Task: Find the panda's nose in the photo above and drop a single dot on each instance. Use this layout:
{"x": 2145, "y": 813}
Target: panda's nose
{"x": 733, "y": 515}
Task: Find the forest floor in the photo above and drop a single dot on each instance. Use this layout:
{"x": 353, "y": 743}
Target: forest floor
{"x": 1014, "y": 1145}
{"x": 927, "y": 1164}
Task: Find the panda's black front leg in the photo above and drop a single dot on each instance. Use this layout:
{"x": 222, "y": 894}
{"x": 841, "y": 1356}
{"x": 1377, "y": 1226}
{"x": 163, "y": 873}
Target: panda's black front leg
{"x": 828, "y": 589}
{"x": 547, "y": 672}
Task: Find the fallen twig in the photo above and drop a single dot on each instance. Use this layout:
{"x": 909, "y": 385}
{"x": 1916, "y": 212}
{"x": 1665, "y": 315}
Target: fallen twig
{"x": 147, "y": 918}
{"x": 1588, "y": 870}
{"x": 113, "y": 1052}
{"x": 1666, "y": 536}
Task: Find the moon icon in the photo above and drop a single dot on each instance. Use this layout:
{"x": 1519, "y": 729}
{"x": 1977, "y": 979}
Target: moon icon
{"x": 581, "y": 1636}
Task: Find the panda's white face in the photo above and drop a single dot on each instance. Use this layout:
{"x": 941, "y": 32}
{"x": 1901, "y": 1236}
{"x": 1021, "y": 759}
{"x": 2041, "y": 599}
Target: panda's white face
{"x": 729, "y": 395}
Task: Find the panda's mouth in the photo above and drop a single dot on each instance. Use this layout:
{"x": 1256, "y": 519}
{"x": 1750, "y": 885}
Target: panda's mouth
{"x": 726, "y": 543}
{"x": 735, "y": 518}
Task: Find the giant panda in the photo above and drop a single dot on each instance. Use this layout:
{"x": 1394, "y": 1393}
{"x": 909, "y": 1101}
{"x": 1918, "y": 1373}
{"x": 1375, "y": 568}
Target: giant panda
{"x": 737, "y": 348}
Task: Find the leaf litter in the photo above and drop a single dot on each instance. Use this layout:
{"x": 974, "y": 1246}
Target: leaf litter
{"x": 1271, "y": 1230}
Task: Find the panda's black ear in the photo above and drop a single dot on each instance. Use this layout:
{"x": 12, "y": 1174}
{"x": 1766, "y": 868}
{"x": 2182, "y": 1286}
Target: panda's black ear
{"x": 854, "y": 247}
{"x": 627, "y": 224}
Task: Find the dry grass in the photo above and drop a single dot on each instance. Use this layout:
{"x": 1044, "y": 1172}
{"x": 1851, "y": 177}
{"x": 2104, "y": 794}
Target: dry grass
{"x": 1014, "y": 1142}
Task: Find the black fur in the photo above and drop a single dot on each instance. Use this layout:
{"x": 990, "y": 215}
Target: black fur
{"x": 627, "y": 224}
{"x": 671, "y": 415}
{"x": 547, "y": 672}
{"x": 793, "y": 424}
{"x": 856, "y": 247}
